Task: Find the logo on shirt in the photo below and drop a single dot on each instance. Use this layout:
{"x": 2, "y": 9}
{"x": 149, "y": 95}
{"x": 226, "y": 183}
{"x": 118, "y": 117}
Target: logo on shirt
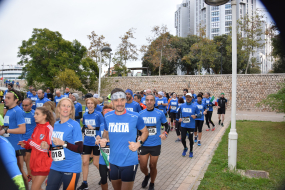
{"x": 41, "y": 136}
{"x": 119, "y": 127}
{"x": 149, "y": 120}
{"x": 130, "y": 109}
{"x": 159, "y": 102}
{"x": 28, "y": 120}
{"x": 173, "y": 103}
{"x": 40, "y": 104}
{"x": 187, "y": 110}
{"x": 6, "y": 119}
{"x": 199, "y": 106}
{"x": 56, "y": 134}
{"x": 90, "y": 122}
{"x": 57, "y": 100}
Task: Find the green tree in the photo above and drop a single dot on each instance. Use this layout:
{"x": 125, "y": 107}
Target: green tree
{"x": 279, "y": 54}
{"x": 68, "y": 78}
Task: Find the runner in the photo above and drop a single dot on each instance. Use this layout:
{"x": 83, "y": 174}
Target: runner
{"x": 91, "y": 126}
{"x": 8, "y": 158}
{"x": 66, "y": 148}
{"x": 131, "y": 105}
{"x": 208, "y": 116}
{"x": 29, "y": 114}
{"x": 78, "y": 106}
{"x": 40, "y": 160}
{"x": 194, "y": 95}
{"x": 153, "y": 119}
{"x": 187, "y": 114}
{"x": 98, "y": 107}
{"x": 162, "y": 104}
{"x": 29, "y": 93}
{"x": 199, "y": 121}
{"x": 185, "y": 91}
{"x": 58, "y": 97}
{"x": 34, "y": 98}
{"x": 10, "y": 87}
{"x": 172, "y": 107}
{"x": 222, "y": 106}
{"x": 14, "y": 127}
{"x": 120, "y": 129}
{"x": 41, "y": 98}
{"x": 148, "y": 91}
{"x": 177, "y": 124}
{"x": 66, "y": 94}
{"x": 137, "y": 98}
{"x": 48, "y": 94}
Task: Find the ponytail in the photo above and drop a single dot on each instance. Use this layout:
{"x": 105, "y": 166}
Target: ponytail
{"x": 49, "y": 114}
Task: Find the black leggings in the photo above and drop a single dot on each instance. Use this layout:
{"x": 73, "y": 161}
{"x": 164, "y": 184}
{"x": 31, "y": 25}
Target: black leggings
{"x": 177, "y": 128}
{"x": 172, "y": 116}
{"x": 183, "y": 137}
{"x": 104, "y": 173}
{"x": 199, "y": 125}
{"x": 208, "y": 117}
{"x": 56, "y": 178}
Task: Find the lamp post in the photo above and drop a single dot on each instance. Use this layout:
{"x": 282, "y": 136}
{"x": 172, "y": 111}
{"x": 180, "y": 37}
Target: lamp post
{"x": 233, "y": 136}
{"x": 109, "y": 64}
{"x": 104, "y": 49}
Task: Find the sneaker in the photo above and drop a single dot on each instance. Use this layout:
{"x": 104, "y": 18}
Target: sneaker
{"x": 83, "y": 186}
{"x": 178, "y": 140}
{"x": 222, "y": 124}
{"x": 151, "y": 186}
{"x": 171, "y": 129}
{"x": 208, "y": 129}
{"x": 199, "y": 143}
{"x": 145, "y": 181}
{"x": 219, "y": 122}
{"x": 184, "y": 151}
{"x": 90, "y": 160}
{"x": 213, "y": 129}
{"x": 29, "y": 178}
{"x": 191, "y": 155}
{"x": 195, "y": 140}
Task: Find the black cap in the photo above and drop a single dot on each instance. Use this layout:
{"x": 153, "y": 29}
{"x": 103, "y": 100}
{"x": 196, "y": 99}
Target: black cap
{"x": 88, "y": 95}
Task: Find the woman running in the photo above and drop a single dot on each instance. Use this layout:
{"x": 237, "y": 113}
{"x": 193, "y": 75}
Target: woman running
{"x": 172, "y": 107}
{"x": 40, "y": 160}
{"x": 177, "y": 124}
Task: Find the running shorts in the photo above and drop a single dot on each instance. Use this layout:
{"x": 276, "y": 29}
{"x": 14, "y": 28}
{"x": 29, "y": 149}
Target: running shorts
{"x": 152, "y": 150}
{"x": 222, "y": 111}
{"x": 89, "y": 149}
{"x": 20, "y": 152}
{"x": 124, "y": 173}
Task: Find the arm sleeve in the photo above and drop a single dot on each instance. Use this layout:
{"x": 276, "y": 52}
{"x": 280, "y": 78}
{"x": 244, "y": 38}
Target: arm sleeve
{"x": 20, "y": 119}
{"x": 27, "y": 146}
{"x": 80, "y": 116}
{"x": 77, "y": 147}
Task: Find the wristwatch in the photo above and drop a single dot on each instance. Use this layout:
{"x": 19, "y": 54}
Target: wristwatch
{"x": 65, "y": 144}
{"x": 140, "y": 142}
{"x": 5, "y": 129}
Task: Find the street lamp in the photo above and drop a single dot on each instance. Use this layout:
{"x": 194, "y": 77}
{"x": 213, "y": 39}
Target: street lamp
{"x": 109, "y": 64}
{"x": 104, "y": 49}
{"x": 232, "y": 146}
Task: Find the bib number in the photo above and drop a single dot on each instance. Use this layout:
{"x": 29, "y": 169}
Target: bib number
{"x": 106, "y": 150}
{"x": 186, "y": 120}
{"x": 173, "y": 107}
{"x": 90, "y": 132}
{"x": 57, "y": 154}
{"x": 151, "y": 130}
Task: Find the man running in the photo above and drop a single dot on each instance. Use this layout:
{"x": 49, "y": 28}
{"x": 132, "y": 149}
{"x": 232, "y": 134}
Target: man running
{"x": 187, "y": 114}
{"x": 199, "y": 121}
{"x": 66, "y": 94}
{"x": 137, "y": 98}
{"x": 29, "y": 93}
{"x": 34, "y": 97}
{"x": 153, "y": 119}
{"x": 148, "y": 91}
{"x": 121, "y": 128}
{"x": 131, "y": 105}
{"x": 10, "y": 87}
{"x": 172, "y": 107}
{"x": 222, "y": 106}
{"x": 41, "y": 98}
{"x": 58, "y": 97}
{"x": 77, "y": 106}
{"x": 208, "y": 116}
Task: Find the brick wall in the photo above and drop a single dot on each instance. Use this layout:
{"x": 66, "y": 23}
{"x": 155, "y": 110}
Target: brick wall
{"x": 251, "y": 89}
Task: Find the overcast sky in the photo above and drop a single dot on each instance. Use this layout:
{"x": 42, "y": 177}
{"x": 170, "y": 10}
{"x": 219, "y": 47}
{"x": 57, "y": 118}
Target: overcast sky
{"x": 75, "y": 19}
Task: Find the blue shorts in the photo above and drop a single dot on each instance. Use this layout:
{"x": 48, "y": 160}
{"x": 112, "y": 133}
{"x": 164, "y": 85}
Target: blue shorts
{"x": 126, "y": 173}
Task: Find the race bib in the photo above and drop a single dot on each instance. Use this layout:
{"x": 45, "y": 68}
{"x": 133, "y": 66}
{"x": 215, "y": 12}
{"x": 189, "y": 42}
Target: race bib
{"x": 130, "y": 109}
{"x": 173, "y": 107}
{"x": 28, "y": 120}
{"x": 40, "y": 105}
{"x": 57, "y": 100}
{"x": 151, "y": 130}
{"x": 106, "y": 150}
{"x": 186, "y": 120}
{"x": 90, "y": 132}
{"x": 57, "y": 154}
{"x": 6, "y": 119}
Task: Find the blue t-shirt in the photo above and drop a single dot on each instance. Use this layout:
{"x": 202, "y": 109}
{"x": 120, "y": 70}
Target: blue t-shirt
{"x": 185, "y": 111}
{"x": 8, "y": 157}
{"x": 94, "y": 119}
{"x": 66, "y": 95}
{"x": 40, "y": 102}
{"x": 201, "y": 107}
{"x": 78, "y": 109}
{"x": 5, "y": 92}
{"x": 30, "y": 124}
{"x": 173, "y": 105}
{"x": 134, "y": 107}
{"x": 122, "y": 129}
{"x": 13, "y": 118}
{"x": 34, "y": 98}
{"x": 45, "y": 95}
{"x": 57, "y": 99}
{"x": 209, "y": 104}
{"x": 162, "y": 100}
{"x": 143, "y": 100}
{"x": 101, "y": 159}
{"x": 69, "y": 131}
{"x": 153, "y": 120}
{"x": 29, "y": 94}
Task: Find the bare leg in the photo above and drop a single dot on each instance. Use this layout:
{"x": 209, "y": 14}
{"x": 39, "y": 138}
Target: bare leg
{"x": 20, "y": 162}
{"x": 105, "y": 186}
{"x": 27, "y": 160}
{"x": 96, "y": 161}
{"x": 152, "y": 166}
{"x": 85, "y": 167}
{"x": 223, "y": 118}
{"x": 117, "y": 184}
{"x": 143, "y": 164}
{"x": 37, "y": 182}
{"x": 199, "y": 136}
{"x": 127, "y": 185}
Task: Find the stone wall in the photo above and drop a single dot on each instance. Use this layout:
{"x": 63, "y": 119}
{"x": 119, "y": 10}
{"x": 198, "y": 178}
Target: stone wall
{"x": 251, "y": 89}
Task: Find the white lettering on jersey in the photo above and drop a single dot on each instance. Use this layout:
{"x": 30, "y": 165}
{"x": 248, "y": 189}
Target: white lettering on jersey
{"x": 6, "y": 119}
{"x": 199, "y": 106}
{"x": 90, "y": 122}
{"x": 207, "y": 101}
{"x": 130, "y": 109}
{"x": 173, "y": 103}
{"x": 40, "y": 104}
{"x": 119, "y": 127}
{"x": 159, "y": 102}
{"x": 149, "y": 120}
{"x": 188, "y": 110}
{"x": 144, "y": 102}
{"x": 28, "y": 120}
{"x": 34, "y": 98}
{"x": 56, "y": 134}
{"x": 57, "y": 100}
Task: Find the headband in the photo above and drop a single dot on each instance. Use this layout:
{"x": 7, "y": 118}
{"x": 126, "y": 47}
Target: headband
{"x": 129, "y": 91}
{"x": 118, "y": 95}
{"x": 15, "y": 94}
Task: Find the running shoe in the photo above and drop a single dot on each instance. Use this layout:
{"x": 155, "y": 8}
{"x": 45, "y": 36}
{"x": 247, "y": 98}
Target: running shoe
{"x": 190, "y": 154}
{"x": 83, "y": 186}
{"x": 222, "y": 124}
{"x": 208, "y": 129}
{"x": 171, "y": 129}
{"x": 90, "y": 160}
{"x": 178, "y": 140}
{"x": 145, "y": 181}
{"x": 184, "y": 151}
{"x": 199, "y": 143}
{"x": 219, "y": 122}
{"x": 151, "y": 186}
{"x": 29, "y": 178}
{"x": 213, "y": 129}
{"x": 195, "y": 140}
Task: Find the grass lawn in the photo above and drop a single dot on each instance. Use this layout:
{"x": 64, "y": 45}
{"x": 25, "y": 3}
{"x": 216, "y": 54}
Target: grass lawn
{"x": 261, "y": 146}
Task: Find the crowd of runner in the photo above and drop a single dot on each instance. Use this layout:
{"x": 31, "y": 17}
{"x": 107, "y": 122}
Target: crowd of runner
{"x": 58, "y": 140}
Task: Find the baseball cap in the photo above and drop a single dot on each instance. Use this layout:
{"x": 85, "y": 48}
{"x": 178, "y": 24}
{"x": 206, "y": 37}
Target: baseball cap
{"x": 75, "y": 95}
{"x": 189, "y": 94}
{"x": 95, "y": 96}
{"x": 161, "y": 93}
